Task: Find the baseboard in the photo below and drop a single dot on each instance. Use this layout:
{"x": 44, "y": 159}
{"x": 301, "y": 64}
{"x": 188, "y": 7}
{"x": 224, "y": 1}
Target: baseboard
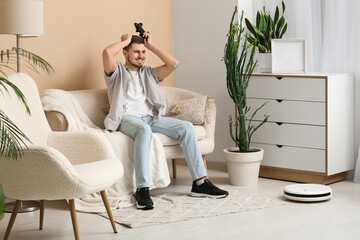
{"x": 279, "y": 173}
{"x": 299, "y": 175}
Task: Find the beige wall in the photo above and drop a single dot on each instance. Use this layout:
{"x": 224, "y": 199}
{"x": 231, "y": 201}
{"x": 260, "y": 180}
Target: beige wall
{"x": 76, "y": 32}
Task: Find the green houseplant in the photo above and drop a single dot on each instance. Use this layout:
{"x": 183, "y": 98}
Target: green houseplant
{"x": 240, "y": 64}
{"x": 265, "y": 29}
{"x": 12, "y": 139}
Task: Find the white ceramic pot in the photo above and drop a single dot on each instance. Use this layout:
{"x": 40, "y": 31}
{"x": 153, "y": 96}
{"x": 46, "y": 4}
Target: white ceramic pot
{"x": 243, "y": 168}
{"x": 265, "y": 62}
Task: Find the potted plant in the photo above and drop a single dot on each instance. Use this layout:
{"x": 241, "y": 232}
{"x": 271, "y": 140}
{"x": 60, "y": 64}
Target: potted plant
{"x": 243, "y": 161}
{"x": 266, "y": 29}
{"x": 12, "y": 139}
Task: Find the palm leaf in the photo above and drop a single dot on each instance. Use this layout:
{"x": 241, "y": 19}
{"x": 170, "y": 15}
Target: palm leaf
{"x": 17, "y": 91}
{"x": 32, "y": 60}
{"x": 13, "y": 140}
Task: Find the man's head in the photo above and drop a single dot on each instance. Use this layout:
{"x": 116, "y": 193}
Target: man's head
{"x": 135, "y": 53}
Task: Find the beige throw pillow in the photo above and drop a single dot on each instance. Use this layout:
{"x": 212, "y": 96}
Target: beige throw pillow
{"x": 192, "y": 110}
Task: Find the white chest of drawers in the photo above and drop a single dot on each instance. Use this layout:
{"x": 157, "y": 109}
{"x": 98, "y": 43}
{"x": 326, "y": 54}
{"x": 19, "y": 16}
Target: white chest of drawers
{"x": 310, "y": 133}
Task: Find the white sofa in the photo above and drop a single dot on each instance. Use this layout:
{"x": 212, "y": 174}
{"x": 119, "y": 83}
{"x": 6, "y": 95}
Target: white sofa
{"x": 95, "y": 102}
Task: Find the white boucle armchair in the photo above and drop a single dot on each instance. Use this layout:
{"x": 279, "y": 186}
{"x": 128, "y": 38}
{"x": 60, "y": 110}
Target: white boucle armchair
{"x": 93, "y": 103}
{"x": 56, "y": 165}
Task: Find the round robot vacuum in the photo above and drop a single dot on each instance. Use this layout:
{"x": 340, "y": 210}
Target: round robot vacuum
{"x": 307, "y": 192}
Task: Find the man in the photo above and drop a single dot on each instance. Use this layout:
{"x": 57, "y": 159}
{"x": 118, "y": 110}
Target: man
{"x": 136, "y": 109}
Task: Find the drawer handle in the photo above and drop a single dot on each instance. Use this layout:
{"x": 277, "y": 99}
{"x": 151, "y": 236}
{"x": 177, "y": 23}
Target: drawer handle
{"x": 279, "y": 78}
{"x": 279, "y": 146}
{"x": 279, "y": 100}
{"x": 279, "y": 123}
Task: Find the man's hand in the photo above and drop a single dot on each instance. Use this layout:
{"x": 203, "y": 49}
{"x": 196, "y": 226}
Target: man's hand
{"x": 111, "y": 51}
{"x": 170, "y": 62}
{"x": 126, "y": 39}
{"x": 147, "y": 41}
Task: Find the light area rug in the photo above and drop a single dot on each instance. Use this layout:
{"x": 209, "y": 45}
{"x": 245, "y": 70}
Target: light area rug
{"x": 176, "y": 205}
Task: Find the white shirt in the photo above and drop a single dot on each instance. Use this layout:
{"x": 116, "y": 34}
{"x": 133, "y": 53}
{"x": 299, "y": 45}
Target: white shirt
{"x": 136, "y": 103}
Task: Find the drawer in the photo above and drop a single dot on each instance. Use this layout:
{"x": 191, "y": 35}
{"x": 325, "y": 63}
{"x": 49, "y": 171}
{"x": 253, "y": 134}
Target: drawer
{"x": 293, "y": 158}
{"x": 290, "y": 135}
{"x": 312, "y": 113}
{"x": 287, "y": 88}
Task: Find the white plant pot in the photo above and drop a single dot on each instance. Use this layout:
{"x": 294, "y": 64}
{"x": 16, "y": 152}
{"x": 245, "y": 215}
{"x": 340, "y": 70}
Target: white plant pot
{"x": 265, "y": 62}
{"x": 243, "y": 168}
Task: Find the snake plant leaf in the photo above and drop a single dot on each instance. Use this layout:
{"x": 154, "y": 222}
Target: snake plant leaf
{"x": 262, "y": 49}
{"x": 276, "y": 16}
{"x": 272, "y": 35}
{"x": 279, "y": 26}
{"x": 283, "y": 7}
{"x": 262, "y": 26}
{"x": 272, "y": 24}
{"x": 268, "y": 27}
{"x": 250, "y": 27}
{"x": 251, "y": 40}
{"x": 283, "y": 31}
{"x": 258, "y": 17}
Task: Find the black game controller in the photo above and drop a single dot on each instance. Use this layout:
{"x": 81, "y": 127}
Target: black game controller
{"x": 139, "y": 29}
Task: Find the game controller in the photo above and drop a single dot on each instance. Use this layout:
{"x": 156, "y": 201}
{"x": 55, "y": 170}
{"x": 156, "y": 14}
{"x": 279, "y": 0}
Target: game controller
{"x": 139, "y": 29}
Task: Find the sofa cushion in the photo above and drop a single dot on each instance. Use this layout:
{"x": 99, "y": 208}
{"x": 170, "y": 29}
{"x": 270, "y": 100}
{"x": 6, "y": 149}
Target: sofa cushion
{"x": 167, "y": 141}
{"x": 192, "y": 109}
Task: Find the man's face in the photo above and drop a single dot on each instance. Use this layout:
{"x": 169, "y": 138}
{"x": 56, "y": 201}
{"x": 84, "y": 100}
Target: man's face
{"x": 135, "y": 56}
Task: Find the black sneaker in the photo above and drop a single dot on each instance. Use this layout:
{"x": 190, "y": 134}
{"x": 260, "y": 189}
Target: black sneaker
{"x": 143, "y": 200}
{"x": 207, "y": 189}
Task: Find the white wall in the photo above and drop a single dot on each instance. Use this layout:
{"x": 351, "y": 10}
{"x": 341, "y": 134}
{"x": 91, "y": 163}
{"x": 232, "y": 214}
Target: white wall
{"x": 200, "y": 28}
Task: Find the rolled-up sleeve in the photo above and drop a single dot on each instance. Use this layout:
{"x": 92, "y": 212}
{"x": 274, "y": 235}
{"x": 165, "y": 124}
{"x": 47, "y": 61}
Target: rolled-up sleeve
{"x": 111, "y": 79}
{"x": 153, "y": 72}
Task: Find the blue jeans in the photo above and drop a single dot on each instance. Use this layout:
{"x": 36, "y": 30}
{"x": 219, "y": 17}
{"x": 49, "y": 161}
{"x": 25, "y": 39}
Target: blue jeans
{"x": 141, "y": 128}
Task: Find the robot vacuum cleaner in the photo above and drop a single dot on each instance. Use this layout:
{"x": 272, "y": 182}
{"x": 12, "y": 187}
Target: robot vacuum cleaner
{"x": 307, "y": 192}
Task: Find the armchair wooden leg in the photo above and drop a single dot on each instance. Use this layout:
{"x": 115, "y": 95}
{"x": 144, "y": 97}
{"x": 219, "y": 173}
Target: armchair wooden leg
{"x": 12, "y": 219}
{"x": 74, "y": 218}
{"x": 42, "y": 209}
{"x": 204, "y": 160}
{"x": 174, "y": 167}
{"x": 108, "y": 209}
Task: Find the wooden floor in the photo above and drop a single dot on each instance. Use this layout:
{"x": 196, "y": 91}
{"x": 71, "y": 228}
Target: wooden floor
{"x": 338, "y": 218}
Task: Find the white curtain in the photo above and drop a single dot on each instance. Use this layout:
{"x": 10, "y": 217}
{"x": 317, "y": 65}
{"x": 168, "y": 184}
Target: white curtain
{"x": 332, "y": 30}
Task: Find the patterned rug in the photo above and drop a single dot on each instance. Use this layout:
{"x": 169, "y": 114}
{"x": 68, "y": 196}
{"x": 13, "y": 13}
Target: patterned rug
{"x": 177, "y": 205}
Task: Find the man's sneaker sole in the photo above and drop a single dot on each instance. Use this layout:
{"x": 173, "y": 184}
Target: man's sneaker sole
{"x": 144, "y": 207}
{"x": 194, "y": 194}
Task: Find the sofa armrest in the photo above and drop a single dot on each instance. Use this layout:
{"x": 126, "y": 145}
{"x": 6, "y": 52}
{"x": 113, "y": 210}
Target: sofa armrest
{"x": 56, "y": 120}
{"x": 82, "y": 146}
{"x": 210, "y": 118}
{"x": 91, "y": 102}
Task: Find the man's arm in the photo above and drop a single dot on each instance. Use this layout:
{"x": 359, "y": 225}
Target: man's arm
{"x": 170, "y": 63}
{"x": 111, "y": 51}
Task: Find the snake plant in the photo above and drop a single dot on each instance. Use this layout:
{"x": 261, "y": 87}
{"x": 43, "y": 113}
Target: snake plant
{"x": 240, "y": 64}
{"x": 266, "y": 29}
{"x": 12, "y": 139}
